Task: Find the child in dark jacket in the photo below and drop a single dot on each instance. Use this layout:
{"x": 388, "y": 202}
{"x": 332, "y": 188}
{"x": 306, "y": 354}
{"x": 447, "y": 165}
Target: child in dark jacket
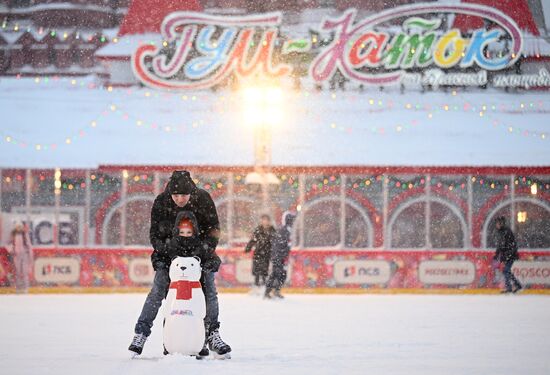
{"x": 186, "y": 243}
{"x": 280, "y": 249}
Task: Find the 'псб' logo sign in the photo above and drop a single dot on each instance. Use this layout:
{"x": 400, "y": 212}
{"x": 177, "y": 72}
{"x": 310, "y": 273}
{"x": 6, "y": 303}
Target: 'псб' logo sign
{"x": 207, "y": 49}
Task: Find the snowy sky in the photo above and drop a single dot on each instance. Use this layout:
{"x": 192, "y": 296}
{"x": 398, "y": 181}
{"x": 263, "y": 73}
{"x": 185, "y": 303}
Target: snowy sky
{"x": 142, "y": 126}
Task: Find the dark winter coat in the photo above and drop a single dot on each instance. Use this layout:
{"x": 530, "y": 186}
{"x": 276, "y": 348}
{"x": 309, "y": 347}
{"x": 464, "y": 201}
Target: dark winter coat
{"x": 163, "y": 217}
{"x": 262, "y": 239}
{"x": 280, "y": 248}
{"x": 192, "y": 246}
{"x": 507, "y": 248}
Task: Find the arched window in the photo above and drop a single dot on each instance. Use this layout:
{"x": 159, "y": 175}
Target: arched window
{"x": 358, "y": 228}
{"x": 240, "y": 225}
{"x": 408, "y": 230}
{"x": 531, "y": 223}
{"x": 445, "y": 229}
{"x": 322, "y": 225}
{"x": 138, "y": 213}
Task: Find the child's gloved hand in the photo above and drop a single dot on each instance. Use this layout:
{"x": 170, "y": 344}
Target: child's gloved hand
{"x": 174, "y": 241}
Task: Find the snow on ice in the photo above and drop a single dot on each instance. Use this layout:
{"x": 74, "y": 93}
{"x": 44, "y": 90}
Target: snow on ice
{"x": 304, "y": 334}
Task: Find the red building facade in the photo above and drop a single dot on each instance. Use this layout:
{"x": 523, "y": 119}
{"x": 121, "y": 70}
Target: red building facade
{"x": 393, "y": 218}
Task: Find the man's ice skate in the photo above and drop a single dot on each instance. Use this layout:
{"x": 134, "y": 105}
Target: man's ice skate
{"x": 218, "y": 346}
{"x": 136, "y": 347}
{"x": 277, "y": 294}
{"x": 517, "y": 289}
{"x": 204, "y": 351}
{"x": 267, "y": 294}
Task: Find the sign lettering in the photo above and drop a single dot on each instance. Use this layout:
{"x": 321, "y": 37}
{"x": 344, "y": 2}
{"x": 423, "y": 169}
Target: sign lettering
{"x": 201, "y": 50}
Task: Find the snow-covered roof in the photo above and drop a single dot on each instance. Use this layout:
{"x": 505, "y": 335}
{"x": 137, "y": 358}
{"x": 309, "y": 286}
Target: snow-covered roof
{"x": 54, "y": 70}
{"x": 535, "y": 46}
{"x": 126, "y": 45}
{"x": 74, "y": 124}
{"x": 61, "y": 6}
{"x": 40, "y": 33}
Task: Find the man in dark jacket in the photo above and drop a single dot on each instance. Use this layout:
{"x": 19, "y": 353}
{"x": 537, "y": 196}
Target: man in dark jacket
{"x": 507, "y": 253}
{"x": 262, "y": 238}
{"x": 181, "y": 194}
{"x": 280, "y": 249}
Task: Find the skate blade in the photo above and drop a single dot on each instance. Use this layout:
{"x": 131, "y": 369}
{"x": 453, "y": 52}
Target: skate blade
{"x": 142, "y": 358}
{"x": 221, "y": 356}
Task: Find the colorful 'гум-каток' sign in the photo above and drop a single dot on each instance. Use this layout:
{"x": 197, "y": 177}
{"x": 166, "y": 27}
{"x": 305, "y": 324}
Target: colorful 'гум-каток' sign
{"x": 208, "y": 48}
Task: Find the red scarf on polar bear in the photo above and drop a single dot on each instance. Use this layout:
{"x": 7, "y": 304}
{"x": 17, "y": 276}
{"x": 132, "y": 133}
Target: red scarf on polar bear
{"x": 184, "y": 288}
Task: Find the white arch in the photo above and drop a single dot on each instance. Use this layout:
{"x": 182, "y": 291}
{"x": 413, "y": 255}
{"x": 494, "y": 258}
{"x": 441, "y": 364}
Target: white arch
{"x": 348, "y": 201}
{"x": 423, "y": 199}
{"x": 112, "y": 210}
{"x": 505, "y": 203}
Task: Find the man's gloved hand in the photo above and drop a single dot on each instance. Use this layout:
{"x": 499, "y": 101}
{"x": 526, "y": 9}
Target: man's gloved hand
{"x": 165, "y": 229}
{"x": 212, "y": 264}
{"x": 160, "y": 247}
{"x": 210, "y": 243}
{"x": 159, "y": 257}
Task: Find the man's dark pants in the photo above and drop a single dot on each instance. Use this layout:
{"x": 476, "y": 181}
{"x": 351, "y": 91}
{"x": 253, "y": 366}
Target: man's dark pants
{"x": 277, "y": 277}
{"x": 509, "y": 277}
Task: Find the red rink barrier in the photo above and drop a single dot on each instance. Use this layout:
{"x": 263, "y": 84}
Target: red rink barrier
{"x": 307, "y": 269}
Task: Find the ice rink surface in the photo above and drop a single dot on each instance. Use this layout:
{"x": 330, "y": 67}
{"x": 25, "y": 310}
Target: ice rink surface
{"x": 304, "y": 334}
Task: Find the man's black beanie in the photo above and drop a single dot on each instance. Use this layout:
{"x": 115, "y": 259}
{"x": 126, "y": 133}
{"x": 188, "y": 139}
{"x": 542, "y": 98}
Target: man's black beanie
{"x": 181, "y": 183}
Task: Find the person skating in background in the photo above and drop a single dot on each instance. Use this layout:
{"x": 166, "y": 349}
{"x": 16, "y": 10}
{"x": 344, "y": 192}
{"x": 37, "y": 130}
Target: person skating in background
{"x": 181, "y": 194}
{"x": 507, "y": 254}
{"x": 261, "y": 240}
{"x": 20, "y": 249}
{"x": 280, "y": 249}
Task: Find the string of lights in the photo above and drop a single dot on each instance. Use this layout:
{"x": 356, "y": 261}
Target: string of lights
{"x": 374, "y": 105}
{"x": 366, "y": 182}
{"x": 534, "y": 184}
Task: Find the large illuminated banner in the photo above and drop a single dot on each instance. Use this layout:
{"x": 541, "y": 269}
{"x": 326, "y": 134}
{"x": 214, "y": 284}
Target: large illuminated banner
{"x": 201, "y": 50}
{"x": 234, "y": 50}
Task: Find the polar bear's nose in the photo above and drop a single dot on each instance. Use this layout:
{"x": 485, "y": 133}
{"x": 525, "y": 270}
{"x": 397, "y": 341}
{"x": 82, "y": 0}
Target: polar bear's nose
{"x": 183, "y": 268}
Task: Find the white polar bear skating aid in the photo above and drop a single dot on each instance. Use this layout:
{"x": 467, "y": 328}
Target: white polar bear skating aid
{"x": 185, "y": 308}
